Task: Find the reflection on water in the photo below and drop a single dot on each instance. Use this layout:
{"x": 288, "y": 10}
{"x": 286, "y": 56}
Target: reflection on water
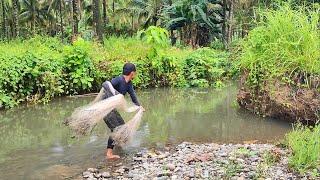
{"x": 33, "y": 139}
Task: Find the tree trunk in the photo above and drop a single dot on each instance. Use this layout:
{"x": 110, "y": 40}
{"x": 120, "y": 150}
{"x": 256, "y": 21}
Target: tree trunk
{"x": 97, "y": 19}
{"x": 224, "y": 25}
{"x": 15, "y": 29}
{"x": 75, "y": 18}
{"x": 230, "y": 23}
{"x": 104, "y": 9}
{"x": 33, "y": 17}
{"x": 61, "y": 19}
{"x": 4, "y": 21}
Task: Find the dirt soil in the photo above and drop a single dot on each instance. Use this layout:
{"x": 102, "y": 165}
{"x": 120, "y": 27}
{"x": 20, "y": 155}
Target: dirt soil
{"x": 282, "y": 101}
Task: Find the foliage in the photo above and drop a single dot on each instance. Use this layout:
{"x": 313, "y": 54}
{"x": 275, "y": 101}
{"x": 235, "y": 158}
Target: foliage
{"x": 285, "y": 43}
{"x": 205, "y": 67}
{"x": 29, "y": 69}
{"x": 78, "y": 67}
{"x": 156, "y": 36}
{"x": 40, "y": 68}
{"x": 305, "y": 146}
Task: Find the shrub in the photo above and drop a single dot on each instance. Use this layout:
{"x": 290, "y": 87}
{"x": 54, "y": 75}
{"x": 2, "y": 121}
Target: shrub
{"x": 78, "y": 67}
{"x": 286, "y": 43}
{"x": 305, "y": 145}
{"x": 206, "y": 67}
{"x": 40, "y": 68}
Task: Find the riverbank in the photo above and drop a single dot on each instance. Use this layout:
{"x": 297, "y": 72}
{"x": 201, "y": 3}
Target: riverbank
{"x": 204, "y": 161}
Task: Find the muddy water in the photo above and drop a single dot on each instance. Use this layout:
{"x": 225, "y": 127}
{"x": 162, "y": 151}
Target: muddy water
{"x": 34, "y": 144}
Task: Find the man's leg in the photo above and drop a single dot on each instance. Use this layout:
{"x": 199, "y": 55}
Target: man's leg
{"x": 113, "y": 120}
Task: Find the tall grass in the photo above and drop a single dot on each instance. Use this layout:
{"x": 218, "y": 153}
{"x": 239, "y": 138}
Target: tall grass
{"x": 285, "y": 42}
{"x": 305, "y": 145}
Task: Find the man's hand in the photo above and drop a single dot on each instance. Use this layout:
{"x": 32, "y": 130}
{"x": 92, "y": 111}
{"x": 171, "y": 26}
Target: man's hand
{"x": 142, "y": 109}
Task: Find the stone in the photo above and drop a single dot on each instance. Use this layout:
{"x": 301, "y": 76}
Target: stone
{"x": 92, "y": 170}
{"x": 97, "y": 175}
{"x": 106, "y": 175}
{"x": 205, "y": 174}
{"x": 174, "y": 177}
{"x": 118, "y": 165}
{"x": 171, "y": 167}
{"x": 86, "y": 174}
{"x": 165, "y": 173}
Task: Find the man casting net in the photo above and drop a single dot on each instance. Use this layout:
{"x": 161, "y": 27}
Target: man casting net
{"x": 106, "y": 105}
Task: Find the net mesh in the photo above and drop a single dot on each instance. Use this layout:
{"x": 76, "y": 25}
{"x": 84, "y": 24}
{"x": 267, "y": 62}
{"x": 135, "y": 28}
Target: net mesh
{"x": 85, "y": 118}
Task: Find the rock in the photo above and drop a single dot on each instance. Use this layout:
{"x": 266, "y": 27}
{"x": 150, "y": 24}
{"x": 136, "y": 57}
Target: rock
{"x": 93, "y": 170}
{"x": 119, "y": 164}
{"x": 190, "y": 174}
{"x": 177, "y": 169}
{"x": 106, "y": 175}
{"x": 205, "y": 174}
{"x": 139, "y": 154}
{"x": 138, "y": 159}
{"x": 174, "y": 177}
{"x": 240, "y": 178}
{"x": 97, "y": 175}
{"x": 171, "y": 167}
{"x": 86, "y": 174}
{"x": 165, "y": 173}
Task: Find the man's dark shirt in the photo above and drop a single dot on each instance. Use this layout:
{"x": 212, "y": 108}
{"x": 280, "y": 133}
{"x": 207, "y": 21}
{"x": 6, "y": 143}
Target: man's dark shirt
{"x": 120, "y": 84}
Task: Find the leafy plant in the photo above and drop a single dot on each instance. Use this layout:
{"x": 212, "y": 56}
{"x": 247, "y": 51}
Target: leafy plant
{"x": 304, "y": 143}
{"x": 78, "y": 67}
{"x": 285, "y": 43}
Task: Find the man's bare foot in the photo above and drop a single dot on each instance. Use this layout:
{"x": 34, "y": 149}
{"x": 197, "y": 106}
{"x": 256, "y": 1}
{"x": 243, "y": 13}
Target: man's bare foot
{"x": 113, "y": 157}
{"x": 110, "y": 155}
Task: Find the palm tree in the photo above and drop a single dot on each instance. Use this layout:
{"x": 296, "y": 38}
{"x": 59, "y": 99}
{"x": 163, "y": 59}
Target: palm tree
{"x": 4, "y": 20}
{"x": 104, "y": 10}
{"x": 150, "y": 10}
{"x": 75, "y": 12}
{"x": 33, "y": 13}
{"x": 15, "y": 27}
{"x": 57, "y": 6}
{"x": 97, "y": 19}
{"x": 197, "y": 20}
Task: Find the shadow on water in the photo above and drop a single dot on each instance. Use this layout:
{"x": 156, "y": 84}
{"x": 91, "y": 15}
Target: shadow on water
{"x": 35, "y": 143}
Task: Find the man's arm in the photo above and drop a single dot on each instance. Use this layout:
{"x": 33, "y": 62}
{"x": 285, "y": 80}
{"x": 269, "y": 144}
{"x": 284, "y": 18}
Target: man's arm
{"x": 115, "y": 81}
{"x": 133, "y": 95}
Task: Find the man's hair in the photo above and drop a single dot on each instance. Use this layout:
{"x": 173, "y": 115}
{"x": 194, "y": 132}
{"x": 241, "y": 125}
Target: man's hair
{"x": 128, "y": 68}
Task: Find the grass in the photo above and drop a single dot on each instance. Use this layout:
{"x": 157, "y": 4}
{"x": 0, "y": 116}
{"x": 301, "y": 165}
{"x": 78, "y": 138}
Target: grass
{"x": 286, "y": 43}
{"x": 304, "y": 142}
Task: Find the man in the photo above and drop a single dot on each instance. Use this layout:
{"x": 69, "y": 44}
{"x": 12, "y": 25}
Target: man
{"x": 122, "y": 84}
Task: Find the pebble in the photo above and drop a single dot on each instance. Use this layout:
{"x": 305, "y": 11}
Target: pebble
{"x": 151, "y": 164}
{"x": 106, "y": 175}
{"x": 171, "y": 167}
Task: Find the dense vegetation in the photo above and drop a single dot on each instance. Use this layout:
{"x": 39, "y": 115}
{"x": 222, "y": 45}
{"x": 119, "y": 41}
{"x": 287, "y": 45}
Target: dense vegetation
{"x": 66, "y": 47}
{"x": 280, "y": 61}
{"x": 40, "y": 68}
{"x": 305, "y": 146}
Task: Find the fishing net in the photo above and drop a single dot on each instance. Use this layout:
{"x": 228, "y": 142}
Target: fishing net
{"x": 85, "y": 118}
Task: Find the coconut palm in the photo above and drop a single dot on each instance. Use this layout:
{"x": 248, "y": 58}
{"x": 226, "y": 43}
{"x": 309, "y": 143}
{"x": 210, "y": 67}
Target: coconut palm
{"x": 97, "y": 19}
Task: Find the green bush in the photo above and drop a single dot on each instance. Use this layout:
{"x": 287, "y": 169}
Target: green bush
{"x": 30, "y": 70}
{"x": 41, "y": 68}
{"x": 78, "y": 67}
{"x": 206, "y": 67}
{"x": 305, "y": 145}
{"x": 286, "y": 43}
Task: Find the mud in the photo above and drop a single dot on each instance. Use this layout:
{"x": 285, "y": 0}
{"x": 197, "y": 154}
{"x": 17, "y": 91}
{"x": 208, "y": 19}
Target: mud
{"x": 280, "y": 100}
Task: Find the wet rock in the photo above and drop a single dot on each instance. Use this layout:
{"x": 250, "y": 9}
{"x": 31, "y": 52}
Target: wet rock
{"x": 118, "y": 165}
{"x": 171, "y": 167}
{"x": 200, "y": 161}
{"x": 86, "y": 174}
{"x": 106, "y": 175}
{"x": 165, "y": 173}
{"x": 92, "y": 170}
{"x": 97, "y": 175}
